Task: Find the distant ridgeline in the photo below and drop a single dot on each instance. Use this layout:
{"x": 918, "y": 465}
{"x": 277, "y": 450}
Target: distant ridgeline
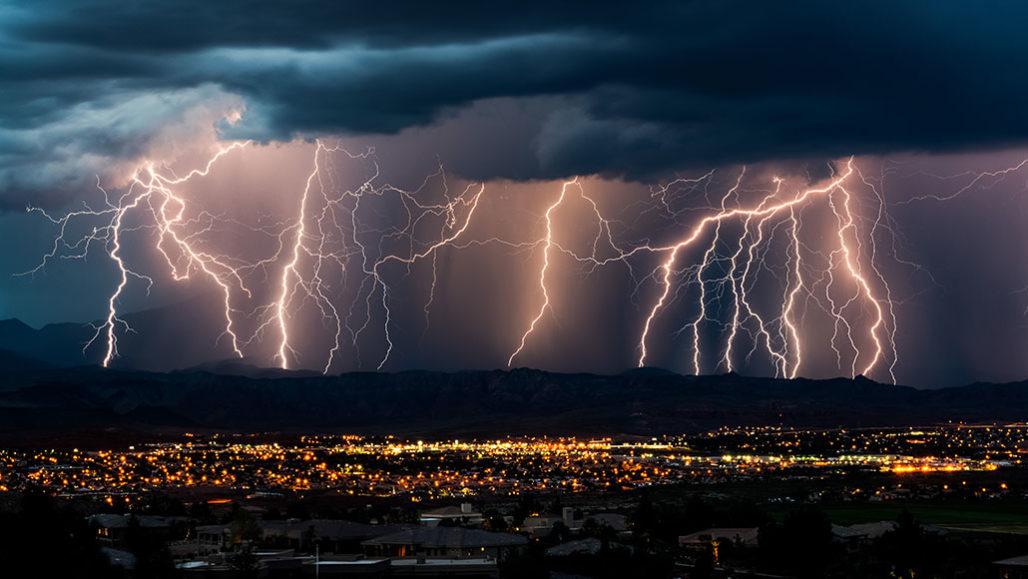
{"x": 35, "y": 399}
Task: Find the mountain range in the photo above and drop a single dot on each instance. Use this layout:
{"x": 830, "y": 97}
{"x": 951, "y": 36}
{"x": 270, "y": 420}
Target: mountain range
{"x": 50, "y": 386}
{"x": 37, "y": 402}
{"x": 164, "y": 339}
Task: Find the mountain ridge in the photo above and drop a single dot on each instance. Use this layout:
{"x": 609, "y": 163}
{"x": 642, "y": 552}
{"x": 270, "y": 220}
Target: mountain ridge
{"x": 476, "y": 403}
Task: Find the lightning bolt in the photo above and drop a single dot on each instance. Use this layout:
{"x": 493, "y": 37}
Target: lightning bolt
{"x": 289, "y": 271}
{"x": 151, "y": 193}
{"x": 549, "y": 243}
{"x": 867, "y": 303}
{"x": 767, "y": 209}
{"x": 542, "y": 272}
{"x": 338, "y": 218}
{"x": 344, "y": 253}
{"x": 323, "y": 240}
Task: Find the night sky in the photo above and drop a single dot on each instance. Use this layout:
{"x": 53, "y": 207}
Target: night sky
{"x": 403, "y": 164}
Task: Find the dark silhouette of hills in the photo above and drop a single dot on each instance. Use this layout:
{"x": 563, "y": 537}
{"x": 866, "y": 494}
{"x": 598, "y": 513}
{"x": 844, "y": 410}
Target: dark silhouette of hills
{"x": 11, "y": 362}
{"x": 53, "y": 344}
{"x": 474, "y": 403}
{"x": 249, "y": 369}
{"x": 165, "y": 339}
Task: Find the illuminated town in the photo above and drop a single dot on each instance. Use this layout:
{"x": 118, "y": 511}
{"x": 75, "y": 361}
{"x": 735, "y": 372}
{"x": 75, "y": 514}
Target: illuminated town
{"x": 376, "y": 506}
{"x": 427, "y": 470}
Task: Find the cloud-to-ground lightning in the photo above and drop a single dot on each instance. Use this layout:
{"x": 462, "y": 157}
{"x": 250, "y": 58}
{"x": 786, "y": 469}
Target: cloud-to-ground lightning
{"x": 769, "y": 208}
{"x": 322, "y": 243}
{"x": 542, "y": 273}
{"x": 327, "y": 235}
{"x": 856, "y": 300}
{"x": 755, "y": 271}
{"x": 151, "y": 193}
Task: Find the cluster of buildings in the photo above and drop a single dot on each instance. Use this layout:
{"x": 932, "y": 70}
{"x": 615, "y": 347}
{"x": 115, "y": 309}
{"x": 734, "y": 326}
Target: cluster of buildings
{"x": 369, "y": 466}
{"x": 1006, "y": 444}
{"x": 457, "y": 540}
{"x": 446, "y": 541}
{"x": 851, "y": 537}
{"x": 319, "y": 547}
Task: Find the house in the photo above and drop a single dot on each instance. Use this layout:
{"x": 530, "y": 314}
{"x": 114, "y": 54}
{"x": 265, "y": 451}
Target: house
{"x": 589, "y": 546}
{"x": 539, "y": 525}
{"x": 332, "y": 535}
{"x": 111, "y": 529}
{"x": 1012, "y": 568}
{"x": 850, "y": 538}
{"x": 212, "y": 537}
{"x": 617, "y": 523}
{"x": 271, "y": 564}
{"x": 120, "y": 558}
{"x": 427, "y": 568}
{"x": 205, "y": 569}
{"x": 742, "y": 535}
{"x": 452, "y": 542}
{"x": 349, "y": 567}
{"x": 874, "y": 530}
{"x": 280, "y": 563}
{"x": 462, "y": 515}
{"x": 542, "y": 525}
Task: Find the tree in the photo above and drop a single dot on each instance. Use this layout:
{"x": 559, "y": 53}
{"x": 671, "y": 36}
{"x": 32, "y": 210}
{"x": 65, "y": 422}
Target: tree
{"x": 245, "y": 563}
{"x": 38, "y": 528}
{"x": 494, "y": 521}
{"x": 244, "y": 527}
{"x": 153, "y": 560}
{"x": 557, "y": 506}
{"x": 699, "y": 514}
{"x": 704, "y": 565}
{"x": 201, "y": 511}
{"x": 644, "y": 519}
{"x": 527, "y": 504}
{"x": 161, "y": 504}
{"x": 911, "y": 552}
{"x": 802, "y": 544}
{"x": 561, "y": 532}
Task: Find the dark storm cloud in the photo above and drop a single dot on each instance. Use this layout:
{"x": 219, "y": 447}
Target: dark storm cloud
{"x": 633, "y": 91}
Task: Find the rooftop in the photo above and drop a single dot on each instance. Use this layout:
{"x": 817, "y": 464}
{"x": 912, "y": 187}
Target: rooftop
{"x": 744, "y": 534}
{"x": 435, "y": 537}
{"x": 1020, "y": 561}
{"x": 339, "y": 530}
